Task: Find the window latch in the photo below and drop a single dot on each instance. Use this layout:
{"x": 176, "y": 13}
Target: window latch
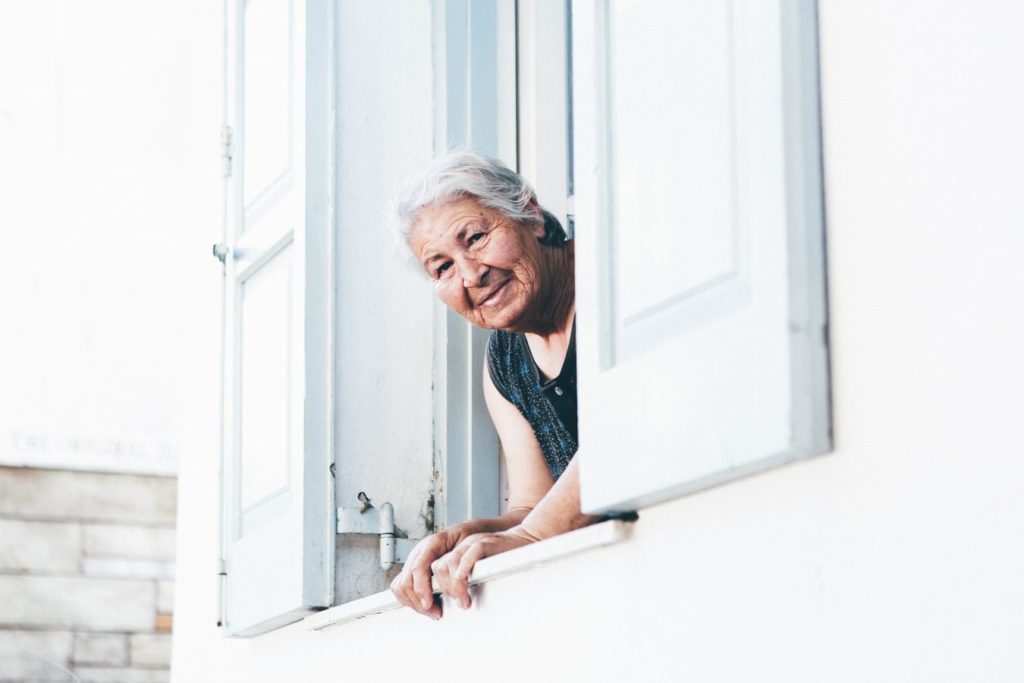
{"x": 220, "y": 252}
{"x": 367, "y": 519}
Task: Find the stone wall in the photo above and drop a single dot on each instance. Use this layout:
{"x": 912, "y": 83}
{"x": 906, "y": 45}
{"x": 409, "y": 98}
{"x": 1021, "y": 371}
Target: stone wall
{"x": 86, "y": 576}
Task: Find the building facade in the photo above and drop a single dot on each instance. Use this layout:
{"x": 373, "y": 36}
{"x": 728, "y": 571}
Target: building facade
{"x": 891, "y": 554}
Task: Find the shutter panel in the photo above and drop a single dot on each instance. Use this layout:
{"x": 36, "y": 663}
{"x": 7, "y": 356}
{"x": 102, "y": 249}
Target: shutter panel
{"x": 277, "y": 517}
{"x": 543, "y": 103}
{"x": 479, "y": 113}
{"x": 701, "y": 320}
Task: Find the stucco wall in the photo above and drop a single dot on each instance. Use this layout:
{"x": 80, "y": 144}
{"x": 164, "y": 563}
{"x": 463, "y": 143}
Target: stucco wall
{"x": 897, "y": 556}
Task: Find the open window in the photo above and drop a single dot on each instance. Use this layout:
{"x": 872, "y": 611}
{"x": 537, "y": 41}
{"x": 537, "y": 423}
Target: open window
{"x": 678, "y": 142}
{"x": 308, "y": 424}
{"x": 685, "y": 139}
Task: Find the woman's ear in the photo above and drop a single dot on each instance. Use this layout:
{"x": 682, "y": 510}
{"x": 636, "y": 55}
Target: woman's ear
{"x": 537, "y": 227}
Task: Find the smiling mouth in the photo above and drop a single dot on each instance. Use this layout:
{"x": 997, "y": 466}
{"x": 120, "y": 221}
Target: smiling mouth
{"x": 493, "y": 296}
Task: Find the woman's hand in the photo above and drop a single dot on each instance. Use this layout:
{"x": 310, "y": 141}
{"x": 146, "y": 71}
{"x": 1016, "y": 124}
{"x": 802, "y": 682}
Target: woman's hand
{"x": 556, "y": 513}
{"x": 412, "y": 587}
{"x": 453, "y": 569}
{"x": 451, "y": 554}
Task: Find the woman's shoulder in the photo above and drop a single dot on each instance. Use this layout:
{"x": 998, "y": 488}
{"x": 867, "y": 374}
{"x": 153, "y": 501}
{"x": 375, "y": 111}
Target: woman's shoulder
{"x": 500, "y": 342}
{"x": 502, "y": 349}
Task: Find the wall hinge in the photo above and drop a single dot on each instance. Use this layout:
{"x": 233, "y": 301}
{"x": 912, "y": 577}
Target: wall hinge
{"x": 226, "y": 150}
{"x": 367, "y": 519}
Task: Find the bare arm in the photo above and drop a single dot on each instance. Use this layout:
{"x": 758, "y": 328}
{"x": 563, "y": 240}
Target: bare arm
{"x": 529, "y": 480}
{"x": 413, "y": 586}
{"x": 559, "y": 511}
{"x": 555, "y": 511}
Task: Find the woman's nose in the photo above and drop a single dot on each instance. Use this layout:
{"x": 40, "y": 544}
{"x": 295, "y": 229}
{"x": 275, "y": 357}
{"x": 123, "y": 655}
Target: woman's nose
{"x": 474, "y": 274}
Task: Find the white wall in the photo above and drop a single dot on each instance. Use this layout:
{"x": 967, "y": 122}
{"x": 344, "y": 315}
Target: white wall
{"x": 896, "y": 557}
{"x": 101, "y": 188}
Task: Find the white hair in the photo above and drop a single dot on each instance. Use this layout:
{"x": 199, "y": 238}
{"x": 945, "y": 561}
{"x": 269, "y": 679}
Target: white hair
{"x": 460, "y": 175}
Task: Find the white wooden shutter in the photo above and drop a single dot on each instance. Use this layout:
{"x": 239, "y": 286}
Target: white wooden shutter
{"x": 477, "y": 62}
{"x": 701, "y": 313}
{"x": 543, "y": 115}
{"x": 277, "y": 527}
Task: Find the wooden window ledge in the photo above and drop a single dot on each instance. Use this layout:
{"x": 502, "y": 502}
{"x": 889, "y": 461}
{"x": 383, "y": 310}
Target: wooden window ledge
{"x": 488, "y": 569}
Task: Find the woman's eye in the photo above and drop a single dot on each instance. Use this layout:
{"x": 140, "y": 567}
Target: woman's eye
{"x": 442, "y": 269}
{"x": 475, "y": 237}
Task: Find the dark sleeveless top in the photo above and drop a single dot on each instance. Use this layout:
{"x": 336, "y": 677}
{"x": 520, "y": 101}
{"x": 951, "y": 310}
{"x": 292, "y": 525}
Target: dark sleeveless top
{"x": 549, "y": 407}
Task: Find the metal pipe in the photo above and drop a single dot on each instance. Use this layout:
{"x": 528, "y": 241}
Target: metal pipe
{"x": 387, "y": 536}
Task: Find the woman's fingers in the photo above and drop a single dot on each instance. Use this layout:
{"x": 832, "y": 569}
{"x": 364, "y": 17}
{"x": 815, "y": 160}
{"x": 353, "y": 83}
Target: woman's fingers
{"x": 441, "y": 573}
{"x": 412, "y": 586}
{"x": 457, "y": 566}
{"x": 422, "y": 591}
{"x": 401, "y": 587}
{"x": 460, "y": 575}
{"x": 452, "y": 569}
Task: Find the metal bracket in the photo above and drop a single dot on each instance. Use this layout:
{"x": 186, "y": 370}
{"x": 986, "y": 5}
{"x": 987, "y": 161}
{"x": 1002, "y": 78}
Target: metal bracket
{"x": 367, "y": 519}
{"x": 220, "y": 252}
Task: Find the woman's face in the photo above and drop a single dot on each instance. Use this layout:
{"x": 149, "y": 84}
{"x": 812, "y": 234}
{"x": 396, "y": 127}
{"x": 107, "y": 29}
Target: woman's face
{"x": 485, "y": 267}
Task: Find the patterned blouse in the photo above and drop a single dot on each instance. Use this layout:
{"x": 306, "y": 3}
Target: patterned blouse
{"x": 549, "y": 407}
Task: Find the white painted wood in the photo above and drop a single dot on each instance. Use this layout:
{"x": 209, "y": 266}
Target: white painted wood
{"x": 266, "y": 75}
{"x": 671, "y": 154}
{"x": 382, "y": 410}
{"x": 354, "y": 610}
{"x": 475, "y": 64}
{"x": 277, "y": 518}
{"x": 488, "y": 569}
{"x": 543, "y": 102}
{"x": 700, "y": 265}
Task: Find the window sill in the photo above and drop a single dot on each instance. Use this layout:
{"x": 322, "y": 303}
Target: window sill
{"x": 488, "y": 569}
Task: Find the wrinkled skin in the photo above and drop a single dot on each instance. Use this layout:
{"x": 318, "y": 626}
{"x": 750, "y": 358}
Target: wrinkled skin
{"x": 493, "y": 271}
{"x": 449, "y": 556}
{"x": 496, "y": 274}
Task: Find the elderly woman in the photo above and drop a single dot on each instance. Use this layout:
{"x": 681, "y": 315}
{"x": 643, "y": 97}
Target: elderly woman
{"x": 502, "y": 262}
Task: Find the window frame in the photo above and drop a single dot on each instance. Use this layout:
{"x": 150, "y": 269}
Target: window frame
{"x": 475, "y": 72}
{"x": 488, "y": 92}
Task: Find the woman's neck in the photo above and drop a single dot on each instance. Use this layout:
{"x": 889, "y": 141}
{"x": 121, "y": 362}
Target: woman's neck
{"x": 556, "y": 303}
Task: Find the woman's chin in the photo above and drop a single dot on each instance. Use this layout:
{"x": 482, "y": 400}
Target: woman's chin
{"x": 497, "y": 320}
